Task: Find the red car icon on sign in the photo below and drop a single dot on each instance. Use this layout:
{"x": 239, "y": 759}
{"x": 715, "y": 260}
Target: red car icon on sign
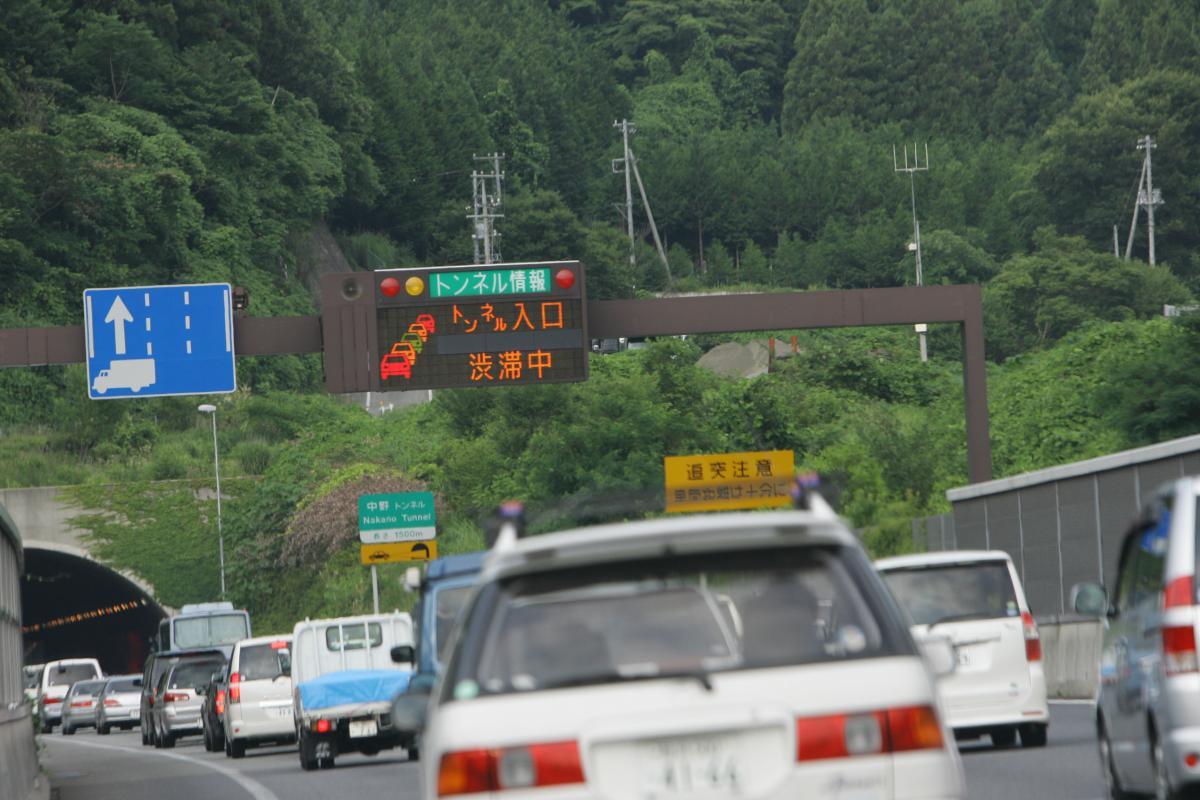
{"x": 395, "y": 364}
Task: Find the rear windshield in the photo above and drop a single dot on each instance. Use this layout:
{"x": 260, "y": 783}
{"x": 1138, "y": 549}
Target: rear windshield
{"x": 122, "y": 685}
{"x": 262, "y": 662}
{"x": 353, "y": 636}
{"x": 66, "y": 674}
{"x": 32, "y": 677}
{"x": 191, "y": 674}
{"x": 210, "y": 630}
{"x": 949, "y": 592}
{"x": 689, "y": 615}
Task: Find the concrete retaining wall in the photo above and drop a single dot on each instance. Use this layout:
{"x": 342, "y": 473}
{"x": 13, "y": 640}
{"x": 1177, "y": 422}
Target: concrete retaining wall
{"x": 1071, "y": 657}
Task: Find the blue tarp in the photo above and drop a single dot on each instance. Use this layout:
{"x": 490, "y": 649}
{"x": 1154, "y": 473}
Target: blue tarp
{"x": 353, "y": 686}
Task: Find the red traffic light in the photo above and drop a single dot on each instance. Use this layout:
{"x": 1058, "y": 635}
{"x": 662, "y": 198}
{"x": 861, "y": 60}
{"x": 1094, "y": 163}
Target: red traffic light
{"x": 390, "y": 287}
{"x": 565, "y": 278}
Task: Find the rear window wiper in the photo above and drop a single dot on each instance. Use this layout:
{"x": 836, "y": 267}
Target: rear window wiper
{"x": 964, "y": 616}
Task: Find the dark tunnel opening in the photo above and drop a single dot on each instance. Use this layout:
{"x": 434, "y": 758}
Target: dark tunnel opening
{"x": 72, "y": 607}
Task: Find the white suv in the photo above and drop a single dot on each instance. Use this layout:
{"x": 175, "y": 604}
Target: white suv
{"x": 975, "y": 598}
{"x": 753, "y": 655}
{"x": 55, "y": 681}
{"x": 258, "y": 704}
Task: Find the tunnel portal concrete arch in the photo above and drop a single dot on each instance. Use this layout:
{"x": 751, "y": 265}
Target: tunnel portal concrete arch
{"x": 74, "y": 606}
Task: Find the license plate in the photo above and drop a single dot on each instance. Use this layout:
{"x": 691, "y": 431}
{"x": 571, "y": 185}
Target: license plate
{"x": 363, "y": 727}
{"x": 280, "y": 712}
{"x": 692, "y": 765}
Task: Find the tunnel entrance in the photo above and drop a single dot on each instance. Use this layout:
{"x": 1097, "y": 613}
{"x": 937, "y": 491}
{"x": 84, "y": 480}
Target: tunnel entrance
{"x": 72, "y": 607}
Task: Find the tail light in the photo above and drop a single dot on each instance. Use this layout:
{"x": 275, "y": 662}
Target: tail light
{"x": 81, "y": 704}
{"x": 1179, "y": 649}
{"x": 535, "y": 765}
{"x": 175, "y": 697}
{"x": 1178, "y": 592}
{"x": 111, "y": 702}
{"x": 896, "y": 730}
{"x": 49, "y": 701}
{"x": 322, "y": 726}
{"x": 1033, "y": 641}
{"x": 235, "y": 688}
{"x": 220, "y": 701}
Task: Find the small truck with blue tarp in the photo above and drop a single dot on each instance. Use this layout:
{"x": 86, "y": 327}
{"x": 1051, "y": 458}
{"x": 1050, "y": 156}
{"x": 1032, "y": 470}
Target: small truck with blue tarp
{"x": 345, "y": 677}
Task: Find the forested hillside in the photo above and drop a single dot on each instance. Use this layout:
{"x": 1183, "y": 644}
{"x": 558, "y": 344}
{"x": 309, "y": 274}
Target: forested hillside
{"x": 167, "y": 141}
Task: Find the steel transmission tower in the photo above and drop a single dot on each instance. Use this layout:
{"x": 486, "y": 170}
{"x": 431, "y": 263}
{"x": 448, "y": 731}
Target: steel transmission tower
{"x": 485, "y": 207}
{"x": 915, "y": 246}
{"x": 627, "y": 165}
{"x": 1147, "y": 197}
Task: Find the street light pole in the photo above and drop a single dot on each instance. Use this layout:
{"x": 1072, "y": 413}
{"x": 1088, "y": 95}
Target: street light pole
{"x": 208, "y": 408}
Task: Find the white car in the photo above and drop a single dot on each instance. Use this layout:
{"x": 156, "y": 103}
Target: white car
{"x": 975, "y": 598}
{"x": 55, "y": 681}
{"x": 734, "y": 655}
{"x": 258, "y": 704}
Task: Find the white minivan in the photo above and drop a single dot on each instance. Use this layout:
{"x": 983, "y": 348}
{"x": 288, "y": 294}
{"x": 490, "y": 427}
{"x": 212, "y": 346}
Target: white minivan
{"x": 975, "y": 598}
{"x": 731, "y": 655}
{"x": 258, "y": 706}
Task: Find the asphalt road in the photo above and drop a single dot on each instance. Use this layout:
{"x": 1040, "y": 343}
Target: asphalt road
{"x": 117, "y": 767}
{"x": 1067, "y": 768}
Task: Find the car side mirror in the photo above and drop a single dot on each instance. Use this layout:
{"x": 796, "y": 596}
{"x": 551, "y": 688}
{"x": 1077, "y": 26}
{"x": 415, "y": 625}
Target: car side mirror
{"x": 403, "y": 654}
{"x": 409, "y": 712}
{"x": 412, "y": 579}
{"x": 939, "y": 654}
{"x": 1089, "y": 599}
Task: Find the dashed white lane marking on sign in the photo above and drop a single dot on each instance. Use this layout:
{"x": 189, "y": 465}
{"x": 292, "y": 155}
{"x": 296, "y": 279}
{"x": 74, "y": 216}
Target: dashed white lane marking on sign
{"x": 228, "y": 322}
{"x": 251, "y": 786}
{"x": 187, "y": 298}
{"x": 187, "y": 322}
{"x": 189, "y": 346}
{"x": 149, "y": 348}
{"x": 147, "y": 324}
{"x": 146, "y": 298}
{"x": 91, "y": 346}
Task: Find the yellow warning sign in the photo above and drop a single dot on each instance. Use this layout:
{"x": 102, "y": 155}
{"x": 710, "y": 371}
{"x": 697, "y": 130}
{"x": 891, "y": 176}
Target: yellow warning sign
{"x": 721, "y": 481}
{"x": 393, "y": 552}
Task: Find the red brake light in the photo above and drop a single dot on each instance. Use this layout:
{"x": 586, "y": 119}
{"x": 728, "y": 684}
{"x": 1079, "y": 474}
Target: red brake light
{"x": 470, "y": 771}
{"x": 1033, "y": 641}
{"x": 280, "y": 645}
{"x": 1179, "y": 649}
{"x": 322, "y": 726}
{"x": 220, "y": 701}
{"x": 49, "y": 701}
{"x": 81, "y": 704}
{"x": 1179, "y": 593}
{"x": 869, "y": 733}
{"x": 175, "y": 697}
{"x": 235, "y": 688}
{"x": 111, "y": 702}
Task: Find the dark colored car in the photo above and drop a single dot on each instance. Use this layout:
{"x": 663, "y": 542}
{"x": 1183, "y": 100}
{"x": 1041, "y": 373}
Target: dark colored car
{"x": 152, "y": 673}
{"x": 212, "y": 712}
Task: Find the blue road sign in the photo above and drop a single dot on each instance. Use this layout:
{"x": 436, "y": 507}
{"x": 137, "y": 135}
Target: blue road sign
{"x": 154, "y": 341}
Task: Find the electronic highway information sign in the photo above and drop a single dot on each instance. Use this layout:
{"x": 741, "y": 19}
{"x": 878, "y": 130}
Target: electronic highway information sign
{"x": 493, "y": 325}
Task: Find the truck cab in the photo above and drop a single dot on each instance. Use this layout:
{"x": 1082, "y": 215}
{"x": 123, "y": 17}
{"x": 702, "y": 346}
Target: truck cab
{"x": 444, "y": 590}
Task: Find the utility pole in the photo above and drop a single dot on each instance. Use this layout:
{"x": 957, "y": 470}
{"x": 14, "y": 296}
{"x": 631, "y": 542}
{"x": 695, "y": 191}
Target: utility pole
{"x": 484, "y": 209}
{"x": 626, "y": 129}
{"x": 628, "y": 165}
{"x": 1147, "y": 197}
{"x": 916, "y": 242}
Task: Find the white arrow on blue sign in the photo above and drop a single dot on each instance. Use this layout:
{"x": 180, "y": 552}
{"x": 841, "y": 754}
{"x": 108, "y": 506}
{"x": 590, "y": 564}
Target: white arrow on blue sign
{"x": 156, "y": 341}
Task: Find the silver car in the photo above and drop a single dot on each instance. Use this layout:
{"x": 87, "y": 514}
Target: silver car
{"x": 120, "y": 700}
{"x": 180, "y": 695}
{"x": 1148, "y": 709}
{"x": 79, "y": 706}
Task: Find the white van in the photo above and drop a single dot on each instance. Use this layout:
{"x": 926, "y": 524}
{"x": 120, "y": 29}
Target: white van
{"x": 975, "y": 598}
{"x": 56, "y": 680}
{"x": 258, "y": 705}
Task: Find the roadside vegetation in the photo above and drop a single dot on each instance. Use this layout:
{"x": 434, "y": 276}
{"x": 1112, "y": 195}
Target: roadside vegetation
{"x": 263, "y": 143}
